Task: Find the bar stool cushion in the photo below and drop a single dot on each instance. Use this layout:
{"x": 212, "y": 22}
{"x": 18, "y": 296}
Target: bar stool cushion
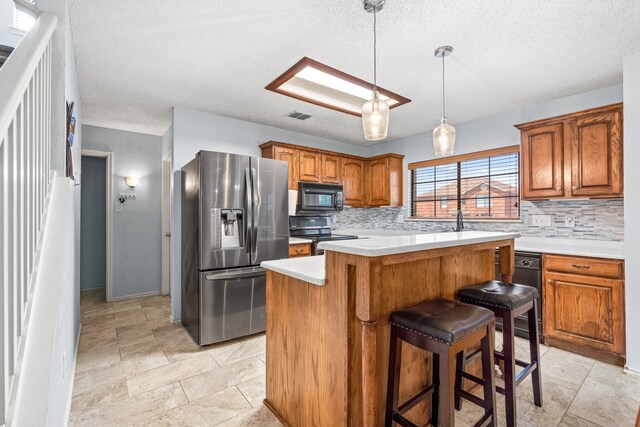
{"x": 494, "y": 293}
{"x": 442, "y": 319}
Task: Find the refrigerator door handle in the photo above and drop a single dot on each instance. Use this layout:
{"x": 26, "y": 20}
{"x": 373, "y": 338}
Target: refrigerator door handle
{"x": 254, "y": 219}
{"x": 244, "y": 273}
{"x": 248, "y": 220}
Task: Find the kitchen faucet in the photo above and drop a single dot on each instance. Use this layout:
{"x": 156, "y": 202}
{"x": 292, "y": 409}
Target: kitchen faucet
{"x": 459, "y": 222}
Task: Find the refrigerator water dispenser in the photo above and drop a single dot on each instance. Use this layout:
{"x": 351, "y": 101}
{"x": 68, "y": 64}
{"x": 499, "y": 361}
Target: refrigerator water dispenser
{"x": 231, "y": 228}
{"x": 227, "y": 228}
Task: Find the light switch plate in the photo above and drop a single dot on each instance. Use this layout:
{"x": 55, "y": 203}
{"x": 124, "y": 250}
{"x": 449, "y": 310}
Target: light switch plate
{"x": 541, "y": 220}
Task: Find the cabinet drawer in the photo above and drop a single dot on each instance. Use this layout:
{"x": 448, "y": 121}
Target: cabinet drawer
{"x": 585, "y": 266}
{"x": 301, "y": 249}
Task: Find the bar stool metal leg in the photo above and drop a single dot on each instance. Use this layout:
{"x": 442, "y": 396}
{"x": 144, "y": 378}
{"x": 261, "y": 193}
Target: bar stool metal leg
{"x": 534, "y": 351}
{"x": 488, "y": 374}
{"x": 447, "y": 376}
{"x": 460, "y": 362}
{"x": 436, "y": 391}
{"x": 509, "y": 351}
{"x": 393, "y": 382}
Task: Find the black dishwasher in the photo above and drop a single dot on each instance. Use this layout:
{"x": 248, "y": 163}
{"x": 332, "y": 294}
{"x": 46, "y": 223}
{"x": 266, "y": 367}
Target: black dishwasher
{"x": 528, "y": 271}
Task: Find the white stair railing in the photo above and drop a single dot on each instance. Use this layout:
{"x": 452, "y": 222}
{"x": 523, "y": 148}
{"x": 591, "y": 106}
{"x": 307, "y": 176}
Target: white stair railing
{"x": 25, "y": 183}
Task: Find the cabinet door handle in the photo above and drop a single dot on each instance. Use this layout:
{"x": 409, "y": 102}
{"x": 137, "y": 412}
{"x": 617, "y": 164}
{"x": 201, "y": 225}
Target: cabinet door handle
{"x": 575, "y": 187}
{"x": 549, "y": 281}
{"x": 580, "y": 266}
{"x": 558, "y": 188}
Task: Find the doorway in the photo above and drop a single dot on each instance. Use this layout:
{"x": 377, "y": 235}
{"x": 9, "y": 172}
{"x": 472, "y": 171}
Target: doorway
{"x": 166, "y": 223}
{"x": 96, "y": 205}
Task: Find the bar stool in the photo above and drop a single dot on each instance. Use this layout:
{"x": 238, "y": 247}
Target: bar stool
{"x": 444, "y": 328}
{"x": 507, "y": 301}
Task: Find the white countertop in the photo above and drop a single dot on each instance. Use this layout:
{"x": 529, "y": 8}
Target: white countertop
{"x": 298, "y": 240}
{"x": 390, "y": 245}
{"x": 309, "y": 268}
{"x": 588, "y": 248}
{"x": 575, "y": 247}
{"x": 312, "y": 269}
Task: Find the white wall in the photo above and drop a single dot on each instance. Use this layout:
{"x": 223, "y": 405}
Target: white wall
{"x": 68, "y": 321}
{"x": 494, "y": 131}
{"x": 136, "y": 230}
{"x": 8, "y": 36}
{"x": 194, "y": 131}
{"x": 632, "y": 206}
{"x": 167, "y": 141}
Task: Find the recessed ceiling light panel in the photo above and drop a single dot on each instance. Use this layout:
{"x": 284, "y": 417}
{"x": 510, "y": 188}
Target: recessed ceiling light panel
{"x": 319, "y": 84}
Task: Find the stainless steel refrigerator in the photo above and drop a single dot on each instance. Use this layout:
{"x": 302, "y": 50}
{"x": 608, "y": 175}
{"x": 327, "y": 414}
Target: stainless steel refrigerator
{"x": 234, "y": 216}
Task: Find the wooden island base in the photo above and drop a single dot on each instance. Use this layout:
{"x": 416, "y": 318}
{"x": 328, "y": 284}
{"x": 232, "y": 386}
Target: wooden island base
{"x": 327, "y": 346}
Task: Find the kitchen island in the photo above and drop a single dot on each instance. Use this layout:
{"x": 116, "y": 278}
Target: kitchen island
{"x": 328, "y": 340}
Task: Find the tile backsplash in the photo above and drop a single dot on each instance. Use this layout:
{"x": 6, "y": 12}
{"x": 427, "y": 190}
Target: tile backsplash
{"x": 595, "y": 219}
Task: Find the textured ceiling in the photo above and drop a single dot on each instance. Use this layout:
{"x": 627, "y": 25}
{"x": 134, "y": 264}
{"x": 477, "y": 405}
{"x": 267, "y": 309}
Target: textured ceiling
{"x": 137, "y": 59}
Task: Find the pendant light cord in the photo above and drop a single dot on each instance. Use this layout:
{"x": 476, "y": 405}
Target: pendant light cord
{"x": 443, "y": 85}
{"x": 375, "y": 71}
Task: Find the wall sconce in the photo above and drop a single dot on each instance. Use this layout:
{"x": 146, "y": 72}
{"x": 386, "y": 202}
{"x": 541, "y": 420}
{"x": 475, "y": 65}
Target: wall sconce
{"x": 131, "y": 181}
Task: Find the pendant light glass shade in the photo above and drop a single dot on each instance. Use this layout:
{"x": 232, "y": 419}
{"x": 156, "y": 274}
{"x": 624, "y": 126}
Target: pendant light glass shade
{"x": 444, "y": 138}
{"x": 375, "y": 113}
{"x": 375, "y": 118}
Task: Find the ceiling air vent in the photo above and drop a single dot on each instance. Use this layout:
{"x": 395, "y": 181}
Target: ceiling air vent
{"x": 298, "y": 115}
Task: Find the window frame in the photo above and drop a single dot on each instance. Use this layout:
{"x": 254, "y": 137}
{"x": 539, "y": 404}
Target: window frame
{"x": 457, "y": 160}
{"x": 26, "y": 7}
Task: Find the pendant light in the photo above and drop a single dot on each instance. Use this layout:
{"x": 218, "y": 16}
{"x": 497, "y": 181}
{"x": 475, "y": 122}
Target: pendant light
{"x": 444, "y": 136}
{"x": 375, "y": 113}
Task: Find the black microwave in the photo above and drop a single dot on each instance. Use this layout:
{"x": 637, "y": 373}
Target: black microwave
{"x": 314, "y": 197}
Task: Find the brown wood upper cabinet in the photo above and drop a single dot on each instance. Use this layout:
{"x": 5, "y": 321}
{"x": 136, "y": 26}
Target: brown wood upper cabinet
{"x": 384, "y": 180}
{"x": 309, "y": 166}
{"x": 542, "y": 162}
{"x": 374, "y": 181}
{"x": 574, "y": 155}
{"x": 285, "y": 154}
{"x": 353, "y": 180}
{"x": 584, "y": 306}
{"x": 596, "y": 155}
{"x": 331, "y": 169}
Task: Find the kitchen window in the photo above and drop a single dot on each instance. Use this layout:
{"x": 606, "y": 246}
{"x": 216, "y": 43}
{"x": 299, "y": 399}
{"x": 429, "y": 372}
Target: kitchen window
{"x": 484, "y": 185}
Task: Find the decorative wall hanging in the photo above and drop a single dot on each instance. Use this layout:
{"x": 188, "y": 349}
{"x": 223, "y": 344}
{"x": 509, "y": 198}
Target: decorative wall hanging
{"x": 71, "y": 128}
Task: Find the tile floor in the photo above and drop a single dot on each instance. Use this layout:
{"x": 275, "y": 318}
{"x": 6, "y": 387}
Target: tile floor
{"x": 136, "y": 368}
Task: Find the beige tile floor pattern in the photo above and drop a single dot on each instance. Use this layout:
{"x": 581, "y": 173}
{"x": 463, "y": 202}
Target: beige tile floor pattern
{"x": 136, "y": 368}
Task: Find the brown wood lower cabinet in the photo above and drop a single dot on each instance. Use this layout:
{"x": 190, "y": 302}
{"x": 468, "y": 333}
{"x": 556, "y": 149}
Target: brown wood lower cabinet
{"x": 584, "y": 306}
{"x": 299, "y": 249}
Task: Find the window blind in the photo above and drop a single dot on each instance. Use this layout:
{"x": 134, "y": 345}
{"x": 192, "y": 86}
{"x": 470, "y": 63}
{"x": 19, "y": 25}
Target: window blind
{"x": 482, "y": 185}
